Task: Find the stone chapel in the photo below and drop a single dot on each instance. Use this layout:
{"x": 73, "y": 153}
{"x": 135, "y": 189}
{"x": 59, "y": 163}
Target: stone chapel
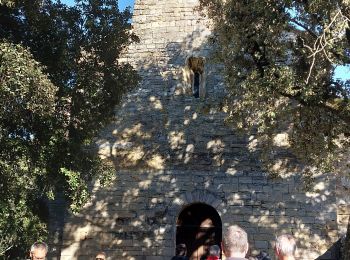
{"x": 182, "y": 174}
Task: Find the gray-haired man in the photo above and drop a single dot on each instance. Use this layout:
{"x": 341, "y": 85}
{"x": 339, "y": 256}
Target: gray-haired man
{"x": 285, "y": 247}
{"x": 38, "y": 251}
{"x": 235, "y": 243}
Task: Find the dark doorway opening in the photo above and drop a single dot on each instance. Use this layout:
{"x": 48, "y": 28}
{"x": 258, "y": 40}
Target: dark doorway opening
{"x": 198, "y": 226}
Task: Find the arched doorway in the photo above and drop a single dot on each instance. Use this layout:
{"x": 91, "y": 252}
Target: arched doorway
{"x": 198, "y": 226}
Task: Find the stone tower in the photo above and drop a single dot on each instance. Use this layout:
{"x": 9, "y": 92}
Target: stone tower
{"x": 181, "y": 173}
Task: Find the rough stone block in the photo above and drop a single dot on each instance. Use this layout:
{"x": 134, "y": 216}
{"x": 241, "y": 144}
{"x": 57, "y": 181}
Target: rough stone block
{"x": 261, "y": 244}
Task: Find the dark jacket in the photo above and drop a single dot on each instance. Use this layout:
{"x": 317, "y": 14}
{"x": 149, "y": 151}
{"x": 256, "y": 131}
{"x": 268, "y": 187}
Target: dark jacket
{"x": 179, "y": 258}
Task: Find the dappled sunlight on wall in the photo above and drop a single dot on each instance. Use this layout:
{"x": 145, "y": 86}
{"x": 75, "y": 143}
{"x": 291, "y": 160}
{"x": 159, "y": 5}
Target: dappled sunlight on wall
{"x": 137, "y": 214}
{"x": 171, "y": 150}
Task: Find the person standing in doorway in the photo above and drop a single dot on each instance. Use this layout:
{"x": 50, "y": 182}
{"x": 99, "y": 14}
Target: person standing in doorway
{"x": 180, "y": 252}
{"x": 214, "y": 253}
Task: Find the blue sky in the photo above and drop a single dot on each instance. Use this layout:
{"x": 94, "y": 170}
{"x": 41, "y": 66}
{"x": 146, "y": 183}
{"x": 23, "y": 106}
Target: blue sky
{"x": 342, "y": 72}
{"x": 122, "y": 3}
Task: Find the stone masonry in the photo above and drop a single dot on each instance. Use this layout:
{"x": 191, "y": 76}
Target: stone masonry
{"x": 171, "y": 150}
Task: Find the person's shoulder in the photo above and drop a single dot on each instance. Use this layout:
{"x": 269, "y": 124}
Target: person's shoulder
{"x": 180, "y": 258}
{"x": 236, "y": 258}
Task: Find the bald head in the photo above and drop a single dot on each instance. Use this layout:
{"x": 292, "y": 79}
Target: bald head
{"x": 101, "y": 256}
{"x": 235, "y": 242}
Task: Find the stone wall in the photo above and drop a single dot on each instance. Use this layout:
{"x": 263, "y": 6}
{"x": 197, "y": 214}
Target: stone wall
{"x": 171, "y": 150}
{"x": 343, "y": 202}
{"x": 165, "y": 28}
{"x": 136, "y": 218}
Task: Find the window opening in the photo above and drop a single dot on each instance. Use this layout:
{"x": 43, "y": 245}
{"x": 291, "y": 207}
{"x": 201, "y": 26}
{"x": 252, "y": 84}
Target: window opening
{"x": 196, "y": 84}
{"x": 195, "y": 76}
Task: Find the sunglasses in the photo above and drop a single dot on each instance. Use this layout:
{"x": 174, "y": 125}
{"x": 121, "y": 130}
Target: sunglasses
{"x": 100, "y": 258}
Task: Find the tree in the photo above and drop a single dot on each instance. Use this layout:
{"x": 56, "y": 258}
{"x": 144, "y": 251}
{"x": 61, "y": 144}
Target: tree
{"x": 279, "y": 62}
{"x": 59, "y": 83}
{"x": 27, "y": 99}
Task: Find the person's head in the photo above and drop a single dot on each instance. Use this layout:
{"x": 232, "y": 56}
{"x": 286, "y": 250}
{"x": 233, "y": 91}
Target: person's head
{"x": 38, "y": 251}
{"x": 214, "y": 250}
{"x": 235, "y": 242}
{"x": 181, "y": 250}
{"x": 285, "y": 246}
{"x": 101, "y": 256}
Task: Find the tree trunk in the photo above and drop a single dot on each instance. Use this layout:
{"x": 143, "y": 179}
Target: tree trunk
{"x": 346, "y": 248}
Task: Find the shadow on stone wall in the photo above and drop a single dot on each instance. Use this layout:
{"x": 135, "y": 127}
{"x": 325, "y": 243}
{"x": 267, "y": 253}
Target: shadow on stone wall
{"x": 169, "y": 150}
{"x": 334, "y": 252}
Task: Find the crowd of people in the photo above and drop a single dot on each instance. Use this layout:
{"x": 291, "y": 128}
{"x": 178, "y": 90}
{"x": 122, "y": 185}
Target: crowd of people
{"x": 234, "y": 246}
{"x": 39, "y": 250}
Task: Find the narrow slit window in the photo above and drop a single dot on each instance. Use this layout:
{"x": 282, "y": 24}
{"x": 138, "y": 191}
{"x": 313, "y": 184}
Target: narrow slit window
{"x": 196, "y": 83}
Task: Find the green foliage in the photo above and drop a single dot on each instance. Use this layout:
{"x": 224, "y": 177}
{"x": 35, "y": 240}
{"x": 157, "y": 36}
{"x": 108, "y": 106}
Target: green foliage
{"x": 27, "y": 98}
{"x": 59, "y": 83}
{"x": 77, "y": 187}
{"x": 279, "y": 59}
{"x": 7, "y": 3}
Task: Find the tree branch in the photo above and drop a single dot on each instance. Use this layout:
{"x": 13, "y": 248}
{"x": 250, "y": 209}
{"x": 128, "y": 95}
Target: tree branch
{"x": 304, "y": 27}
{"x": 7, "y": 249}
{"x": 338, "y": 112}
